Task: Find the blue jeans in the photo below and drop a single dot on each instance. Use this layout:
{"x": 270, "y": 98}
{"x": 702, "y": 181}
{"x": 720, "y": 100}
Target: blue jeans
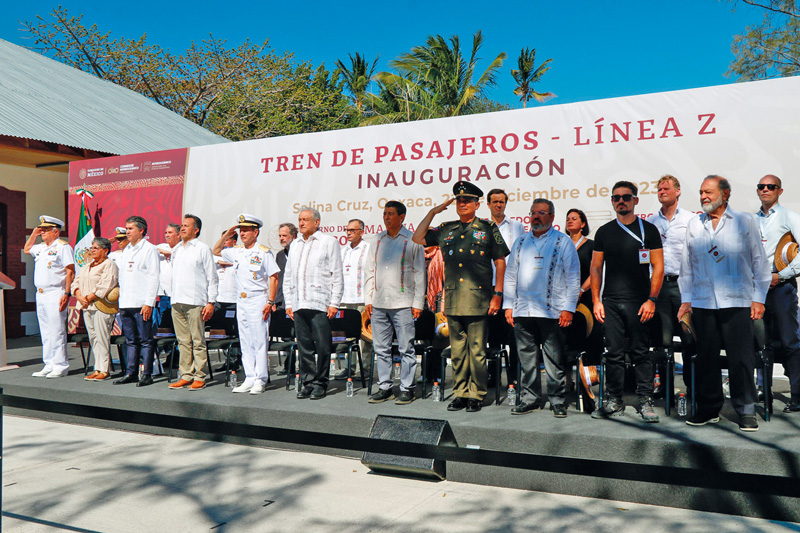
{"x": 401, "y": 321}
{"x": 139, "y": 338}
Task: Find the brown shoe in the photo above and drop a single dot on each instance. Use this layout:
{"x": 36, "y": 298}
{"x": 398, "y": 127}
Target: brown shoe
{"x": 100, "y": 376}
{"x": 197, "y": 385}
{"x": 92, "y": 376}
{"x": 180, "y": 384}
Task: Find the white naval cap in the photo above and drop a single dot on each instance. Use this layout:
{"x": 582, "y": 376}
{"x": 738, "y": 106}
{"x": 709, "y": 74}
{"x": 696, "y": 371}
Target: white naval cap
{"x": 50, "y": 222}
{"x": 121, "y": 231}
{"x": 249, "y": 220}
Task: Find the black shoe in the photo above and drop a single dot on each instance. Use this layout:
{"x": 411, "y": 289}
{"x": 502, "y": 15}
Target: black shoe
{"x": 305, "y": 392}
{"x": 281, "y": 372}
{"x": 792, "y": 407}
{"x": 342, "y": 375}
{"x": 748, "y": 423}
{"x": 318, "y": 393}
{"x": 405, "y": 397}
{"x": 130, "y": 378}
{"x": 701, "y": 419}
{"x": 559, "y": 411}
{"x": 526, "y": 407}
{"x": 146, "y": 380}
{"x": 473, "y": 405}
{"x": 760, "y": 394}
{"x": 381, "y": 396}
{"x": 457, "y": 404}
{"x": 646, "y": 410}
{"x": 611, "y": 408}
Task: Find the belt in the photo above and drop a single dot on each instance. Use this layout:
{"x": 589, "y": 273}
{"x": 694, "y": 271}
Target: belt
{"x": 252, "y": 293}
{"x": 670, "y": 278}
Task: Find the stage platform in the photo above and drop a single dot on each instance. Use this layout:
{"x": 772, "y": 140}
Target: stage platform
{"x": 712, "y": 468}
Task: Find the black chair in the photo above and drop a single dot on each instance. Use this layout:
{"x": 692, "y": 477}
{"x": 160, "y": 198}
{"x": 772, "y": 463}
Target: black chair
{"x": 349, "y": 321}
{"x": 760, "y": 341}
{"x": 165, "y": 339}
{"x": 281, "y": 328}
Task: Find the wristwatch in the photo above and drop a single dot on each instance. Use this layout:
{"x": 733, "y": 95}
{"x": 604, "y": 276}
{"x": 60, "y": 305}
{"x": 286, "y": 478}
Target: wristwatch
{"x": 653, "y": 299}
{"x": 498, "y": 293}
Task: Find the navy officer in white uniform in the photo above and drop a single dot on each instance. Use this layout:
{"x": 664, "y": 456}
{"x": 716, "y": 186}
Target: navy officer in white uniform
{"x": 256, "y": 274}
{"x": 53, "y": 272}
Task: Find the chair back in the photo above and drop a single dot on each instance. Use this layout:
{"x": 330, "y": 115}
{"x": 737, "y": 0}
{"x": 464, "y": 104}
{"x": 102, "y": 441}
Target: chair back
{"x": 280, "y": 325}
{"x": 219, "y": 321}
{"x": 425, "y": 327}
{"x": 166, "y": 320}
{"x": 760, "y": 334}
{"x": 349, "y": 321}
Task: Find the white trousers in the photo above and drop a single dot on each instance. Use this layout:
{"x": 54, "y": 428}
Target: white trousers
{"x": 53, "y": 329}
{"x": 99, "y": 326}
{"x": 253, "y": 337}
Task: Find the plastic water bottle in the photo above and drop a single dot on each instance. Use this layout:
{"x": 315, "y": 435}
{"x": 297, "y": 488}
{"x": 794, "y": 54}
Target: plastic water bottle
{"x": 349, "y": 387}
{"x": 726, "y": 387}
{"x": 657, "y": 384}
{"x": 141, "y": 372}
{"x": 333, "y": 365}
{"x": 682, "y": 404}
{"x": 297, "y": 384}
{"x": 512, "y": 395}
{"x": 436, "y": 392}
{"x": 233, "y": 382}
{"x": 397, "y": 371}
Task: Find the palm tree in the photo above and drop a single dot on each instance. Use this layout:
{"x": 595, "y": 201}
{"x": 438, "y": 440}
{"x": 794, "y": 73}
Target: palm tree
{"x": 526, "y": 76}
{"x": 435, "y": 80}
{"x": 358, "y": 77}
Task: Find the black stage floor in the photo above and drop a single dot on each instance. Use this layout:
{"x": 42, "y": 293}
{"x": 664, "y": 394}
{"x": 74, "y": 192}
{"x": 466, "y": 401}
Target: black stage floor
{"x": 714, "y": 468}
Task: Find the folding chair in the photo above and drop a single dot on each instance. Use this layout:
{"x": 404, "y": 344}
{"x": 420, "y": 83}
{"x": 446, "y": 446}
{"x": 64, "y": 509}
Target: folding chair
{"x": 349, "y": 321}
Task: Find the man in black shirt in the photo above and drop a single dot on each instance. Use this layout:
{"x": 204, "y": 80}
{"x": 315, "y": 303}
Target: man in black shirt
{"x": 628, "y": 247}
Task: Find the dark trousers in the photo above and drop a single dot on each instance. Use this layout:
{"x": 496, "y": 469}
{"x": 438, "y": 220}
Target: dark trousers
{"x": 735, "y": 326}
{"x": 665, "y": 324}
{"x": 313, "y": 332}
{"x": 781, "y": 319}
{"x": 538, "y": 339}
{"x": 468, "y": 355}
{"x": 139, "y": 338}
{"x": 501, "y": 332}
{"x": 622, "y": 321}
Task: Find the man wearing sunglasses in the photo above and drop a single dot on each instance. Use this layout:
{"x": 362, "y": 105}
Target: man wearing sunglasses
{"x": 775, "y": 221}
{"x": 629, "y": 248}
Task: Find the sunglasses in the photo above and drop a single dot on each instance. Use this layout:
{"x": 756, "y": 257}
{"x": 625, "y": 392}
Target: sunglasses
{"x": 770, "y": 186}
{"x": 623, "y": 197}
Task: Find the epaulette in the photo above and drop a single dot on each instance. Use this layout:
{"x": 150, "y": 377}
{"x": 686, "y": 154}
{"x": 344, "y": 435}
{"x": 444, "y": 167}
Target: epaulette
{"x": 263, "y": 248}
{"x": 63, "y": 241}
{"x": 238, "y": 245}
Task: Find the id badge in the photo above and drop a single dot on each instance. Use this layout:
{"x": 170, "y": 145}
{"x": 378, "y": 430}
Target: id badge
{"x": 538, "y": 263}
{"x": 130, "y": 266}
{"x": 644, "y": 256}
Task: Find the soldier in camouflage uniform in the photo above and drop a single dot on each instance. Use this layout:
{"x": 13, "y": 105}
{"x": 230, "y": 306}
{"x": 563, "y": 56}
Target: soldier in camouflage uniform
{"x": 469, "y": 246}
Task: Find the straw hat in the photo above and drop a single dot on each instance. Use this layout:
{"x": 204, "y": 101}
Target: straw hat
{"x": 110, "y": 304}
{"x": 582, "y": 309}
{"x": 366, "y": 326}
{"x": 686, "y": 325}
{"x": 786, "y": 251}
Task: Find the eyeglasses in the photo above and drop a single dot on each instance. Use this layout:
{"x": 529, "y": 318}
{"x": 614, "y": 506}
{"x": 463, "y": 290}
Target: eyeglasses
{"x": 770, "y": 186}
{"x": 623, "y": 197}
{"x": 540, "y": 213}
{"x": 95, "y": 248}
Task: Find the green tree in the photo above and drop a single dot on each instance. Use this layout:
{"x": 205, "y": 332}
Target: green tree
{"x": 527, "y": 75}
{"x": 239, "y": 93}
{"x": 770, "y": 49}
{"x": 433, "y": 80}
{"x": 357, "y": 77}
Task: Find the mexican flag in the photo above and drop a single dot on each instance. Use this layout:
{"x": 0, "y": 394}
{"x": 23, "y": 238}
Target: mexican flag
{"x": 85, "y": 232}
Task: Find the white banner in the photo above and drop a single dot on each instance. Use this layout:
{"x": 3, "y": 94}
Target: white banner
{"x": 571, "y": 154}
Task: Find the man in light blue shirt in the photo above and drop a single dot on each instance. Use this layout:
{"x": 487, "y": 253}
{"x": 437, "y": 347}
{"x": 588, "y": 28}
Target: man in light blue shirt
{"x": 541, "y": 289}
{"x": 781, "y": 314}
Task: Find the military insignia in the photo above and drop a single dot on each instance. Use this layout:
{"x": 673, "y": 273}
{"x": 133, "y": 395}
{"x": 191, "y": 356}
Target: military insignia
{"x": 481, "y": 252}
{"x": 451, "y": 252}
{"x": 241, "y": 218}
{"x": 479, "y": 235}
{"x": 448, "y": 238}
{"x": 255, "y": 260}
{"x": 498, "y": 238}
{"x": 52, "y": 252}
{"x": 254, "y": 276}
{"x": 41, "y": 220}
{"x": 472, "y": 252}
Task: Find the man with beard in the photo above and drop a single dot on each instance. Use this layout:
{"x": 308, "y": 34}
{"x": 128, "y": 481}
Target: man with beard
{"x": 724, "y": 281}
{"x": 628, "y": 247}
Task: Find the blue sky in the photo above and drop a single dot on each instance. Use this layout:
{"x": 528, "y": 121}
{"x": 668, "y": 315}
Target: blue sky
{"x": 599, "y": 49}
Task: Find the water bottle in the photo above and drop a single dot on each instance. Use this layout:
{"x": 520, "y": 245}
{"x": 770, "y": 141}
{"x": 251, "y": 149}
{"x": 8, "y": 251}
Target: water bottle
{"x": 726, "y": 387}
{"x": 682, "y": 404}
{"x": 349, "y": 387}
{"x": 141, "y": 372}
{"x": 297, "y": 384}
{"x": 512, "y": 395}
{"x": 233, "y": 382}
{"x": 436, "y": 393}
{"x": 333, "y": 365}
{"x": 397, "y": 371}
{"x": 657, "y": 384}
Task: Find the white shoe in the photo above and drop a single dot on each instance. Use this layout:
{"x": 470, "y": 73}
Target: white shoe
{"x": 42, "y": 373}
{"x": 55, "y": 374}
{"x": 258, "y": 388}
{"x": 244, "y": 387}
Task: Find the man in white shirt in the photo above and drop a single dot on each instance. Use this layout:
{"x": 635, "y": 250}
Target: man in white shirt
{"x": 511, "y": 230}
{"x": 256, "y": 275}
{"x": 172, "y": 238}
{"x": 53, "y": 272}
{"x": 724, "y": 281}
{"x": 312, "y": 287}
{"x": 194, "y": 292}
{"x": 354, "y": 261}
{"x": 395, "y": 294}
{"x": 781, "y": 311}
{"x": 671, "y": 222}
{"x": 540, "y": 293}
{"x": 138, "y": 287}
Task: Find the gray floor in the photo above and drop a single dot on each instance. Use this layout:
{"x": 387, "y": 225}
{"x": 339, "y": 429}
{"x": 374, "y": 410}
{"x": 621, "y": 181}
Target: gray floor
{"x": 63, "y": 477}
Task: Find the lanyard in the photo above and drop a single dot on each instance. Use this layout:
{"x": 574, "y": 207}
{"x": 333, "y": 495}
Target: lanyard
{"x": 632, "y": 234}
{"x": 578, "y": 244}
